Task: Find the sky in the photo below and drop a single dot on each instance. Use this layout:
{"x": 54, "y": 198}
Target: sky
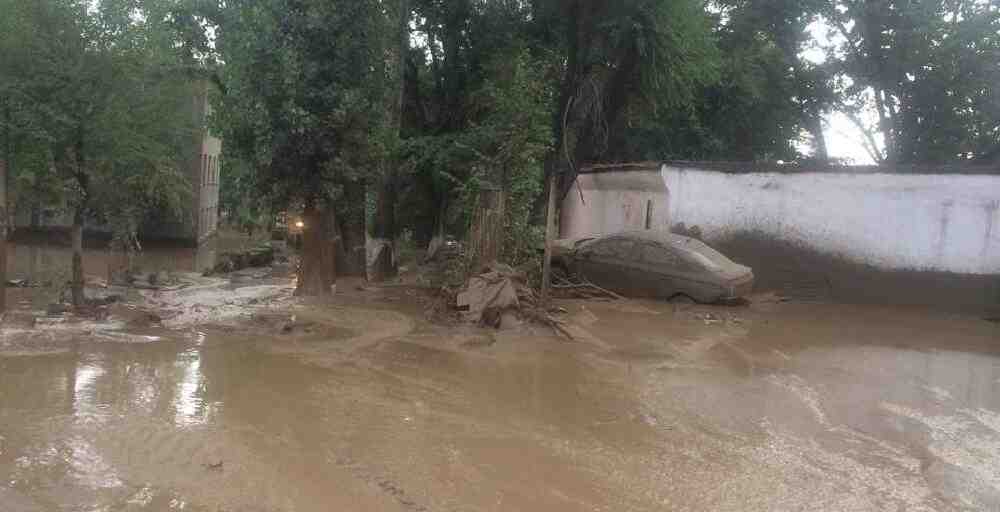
{"x": 843, "y": 139}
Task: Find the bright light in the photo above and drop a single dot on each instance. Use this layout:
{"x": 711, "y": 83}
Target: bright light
{"x": 300, "y": 224}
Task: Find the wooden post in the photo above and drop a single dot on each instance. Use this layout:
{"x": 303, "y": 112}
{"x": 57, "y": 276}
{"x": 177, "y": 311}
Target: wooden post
{"x": 550, "y": 227}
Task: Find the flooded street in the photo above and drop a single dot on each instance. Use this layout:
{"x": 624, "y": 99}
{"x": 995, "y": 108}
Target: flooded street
{"x": 779, "y": 406}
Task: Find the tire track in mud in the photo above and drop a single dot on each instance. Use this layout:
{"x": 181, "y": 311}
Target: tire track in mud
{"x": 385, "y": 484}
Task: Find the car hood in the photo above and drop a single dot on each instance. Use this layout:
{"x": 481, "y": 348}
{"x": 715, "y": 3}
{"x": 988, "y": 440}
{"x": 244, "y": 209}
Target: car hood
{"x": 734, "y": 271}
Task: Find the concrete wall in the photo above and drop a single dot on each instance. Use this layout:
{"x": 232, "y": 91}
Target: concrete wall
{"x": 605, "y": 202}
{"x": 945, "y": 223}
{"x": 934, "y": 222}
{"x": 205, "y": 171}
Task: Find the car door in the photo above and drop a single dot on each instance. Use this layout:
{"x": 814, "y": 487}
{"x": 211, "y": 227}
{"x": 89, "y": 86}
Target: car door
{"x": 607, "y": 263}
{"x": 665, "y": 272}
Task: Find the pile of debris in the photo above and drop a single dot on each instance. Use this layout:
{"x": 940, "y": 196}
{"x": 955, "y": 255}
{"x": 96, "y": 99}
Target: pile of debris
{"x": 495, "y": 297}
{"x": 260, "y": 256}
{"x": 573, "y": 287}
{"x": 501, "y": 297}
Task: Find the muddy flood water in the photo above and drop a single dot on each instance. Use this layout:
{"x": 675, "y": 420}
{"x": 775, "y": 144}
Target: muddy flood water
{"x": 775, "y": 406}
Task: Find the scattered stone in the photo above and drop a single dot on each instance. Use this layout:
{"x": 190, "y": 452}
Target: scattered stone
{"x": 231, "y": 262}
{"x": 56, "y": 309}
{"x": 144, "y": 319}
{"x": 102, "y": 313}
{"x": 105, "y": 300}
{"x": 214, "y": 466}
{"x": 709, "y": 318}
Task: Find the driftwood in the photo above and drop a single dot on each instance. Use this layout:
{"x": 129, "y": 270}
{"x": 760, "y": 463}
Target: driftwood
{"x": 584, "y": 285}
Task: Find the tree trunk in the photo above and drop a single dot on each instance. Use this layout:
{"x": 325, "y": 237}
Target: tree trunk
{"x": 76, "y": 285}
{"x": 385, "y": 227}
{"x": 3, "y": 231}
{"x": 385, "y": 230}
{"x": 438, "y": 236}
{"x": 316, "y": 269}
{"x": 550, "y": 235}
{"x": 819, "y": 139}
{"x": 5, "y": 163}
{"x": 351, "y": 261}
{"x": 486, "y": 232}
{"x": 404, "y": 47}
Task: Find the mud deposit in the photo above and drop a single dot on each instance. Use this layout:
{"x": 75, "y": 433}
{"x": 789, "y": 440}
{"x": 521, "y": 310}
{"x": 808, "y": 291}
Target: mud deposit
{"x": 780, "y": 406}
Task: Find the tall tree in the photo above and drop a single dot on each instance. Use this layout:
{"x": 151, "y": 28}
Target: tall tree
{"x": 302, "y": 82}
{"x": 101, "y": 90}
{"x": 618, "y": 54}
{"x": 927, "y": 70}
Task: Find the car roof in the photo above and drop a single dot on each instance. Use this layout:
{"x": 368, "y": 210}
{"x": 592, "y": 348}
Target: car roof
{"x": 651, "y": 235}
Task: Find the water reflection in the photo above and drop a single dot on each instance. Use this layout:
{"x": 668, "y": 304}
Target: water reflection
{"x": 46, "y": 262}
{"x": 84, "y": 389}
{"x": 189, "y": 403}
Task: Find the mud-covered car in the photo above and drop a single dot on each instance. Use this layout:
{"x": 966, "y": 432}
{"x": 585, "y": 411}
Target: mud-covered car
{"x": 654, "y": 264}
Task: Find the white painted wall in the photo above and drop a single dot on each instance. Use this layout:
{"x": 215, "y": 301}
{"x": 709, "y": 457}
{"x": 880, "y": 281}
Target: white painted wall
{"x": 945, "y": 222}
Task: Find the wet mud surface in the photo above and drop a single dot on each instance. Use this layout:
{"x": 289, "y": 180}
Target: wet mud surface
{"x": 809, "y": 275}
{"x": 363, "y": 405}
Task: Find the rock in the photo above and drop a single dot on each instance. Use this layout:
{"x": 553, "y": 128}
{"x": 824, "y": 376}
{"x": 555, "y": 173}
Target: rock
{"x": 56, "y": 309}
{"x": 144, "y": 319}
{"x": 102, "y": 313}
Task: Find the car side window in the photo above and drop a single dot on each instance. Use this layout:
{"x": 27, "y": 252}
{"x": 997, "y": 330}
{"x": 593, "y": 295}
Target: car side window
{"x": 615, "y": 249}
{"x": 656, "y": 255}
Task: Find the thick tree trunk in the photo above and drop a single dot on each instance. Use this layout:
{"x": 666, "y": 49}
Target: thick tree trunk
{"x": 351, "y": 250}
{"x": 3, "y": 232}
{"x": 76, "y": 284}
{"x": 486, "y": 232}
{"x": 385, "y": 231}
{"x": 819, "y": 139}
{"x": 5, "y": 222}
{"x": 316, "y": 270}
{"x": 550, "y": 235}
{"x": 438, "y": 236}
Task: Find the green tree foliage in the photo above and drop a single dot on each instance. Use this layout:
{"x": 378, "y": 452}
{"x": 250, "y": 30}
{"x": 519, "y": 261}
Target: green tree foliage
{"x": 620, "y": 57}
{"x": 928, "y": 70}
{"x": 508, "y": 144}
{"x": 303, "y": 89}
{"x": 100, "y": 112}
{"x": 763, "y": 101}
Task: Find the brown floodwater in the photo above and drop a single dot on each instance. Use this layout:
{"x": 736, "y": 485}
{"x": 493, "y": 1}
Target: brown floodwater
{"x": 780, "y": 406}
{"x": 41, "y": 262}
